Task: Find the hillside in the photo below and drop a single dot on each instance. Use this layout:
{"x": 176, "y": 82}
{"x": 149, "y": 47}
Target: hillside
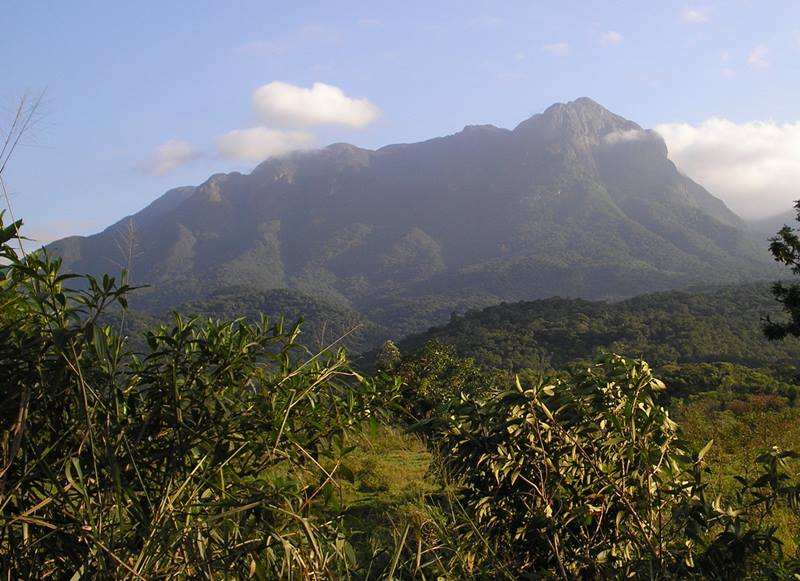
{"x": 716, "y": 325}
{"x": 575, "y": 201}
{"x": 324, "y": 324}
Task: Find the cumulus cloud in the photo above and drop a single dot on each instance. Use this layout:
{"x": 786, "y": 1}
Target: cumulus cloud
{"x": 694, "y": 15}
{"x": 611, "y": 37}
{"x": 168, "y": 156}
{"x": 289, "y": 105}
{"x": 754, "y": 167}
{"x": 557, "y": 48}
{"x": 758, "y": 57}
{"x": 627, "y": 135}
{"x": 259, "y": 143}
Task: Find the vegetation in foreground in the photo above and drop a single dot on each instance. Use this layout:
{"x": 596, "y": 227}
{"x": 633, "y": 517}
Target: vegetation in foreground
{"x": 228, "y": 450}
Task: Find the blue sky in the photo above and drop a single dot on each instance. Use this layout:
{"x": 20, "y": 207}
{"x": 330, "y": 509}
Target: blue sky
{"x": 140, "y": 94}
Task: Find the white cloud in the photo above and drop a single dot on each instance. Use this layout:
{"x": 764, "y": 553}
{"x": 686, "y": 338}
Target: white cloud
{"x": 557, "y": 48}
{"x": 611, "y": 37}
{"x": 754, "y": 167}
{"x": 758, "y": 57}
{"x": 694, "y": 15}
{"x": 728, "y": 72}
{"x": 259, "y": 143}
{"x": 290, "y": 105}
{"x": 168, "y": 156}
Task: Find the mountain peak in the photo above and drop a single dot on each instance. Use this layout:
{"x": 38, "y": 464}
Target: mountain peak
{"x": 582, "y": 120}
{"x": 586, "y": 103}
{"x": 583, "y": 105}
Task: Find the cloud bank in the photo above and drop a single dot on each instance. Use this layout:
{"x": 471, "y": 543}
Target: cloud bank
{"x": 169, "y": 156}
{"x": 754, "y": 167}
{"x": 289, "y": 105}
{"x": 259, "y": 143}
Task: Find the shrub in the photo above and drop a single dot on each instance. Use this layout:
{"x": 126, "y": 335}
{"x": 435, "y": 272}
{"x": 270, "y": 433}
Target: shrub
{"x": 202, "y": 458}
{"x": 588, "y": 477}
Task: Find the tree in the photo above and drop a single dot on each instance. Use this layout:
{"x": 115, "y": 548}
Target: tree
{"x": 388, "y": 357}
{"x": 785, "y": 247}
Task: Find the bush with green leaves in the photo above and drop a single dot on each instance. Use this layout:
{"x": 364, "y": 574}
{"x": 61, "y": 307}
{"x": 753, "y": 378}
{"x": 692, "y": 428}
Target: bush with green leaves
{"x": 436, "y": 375}
{"x": 203, "y": 458}
{"x": 588, "y": 477}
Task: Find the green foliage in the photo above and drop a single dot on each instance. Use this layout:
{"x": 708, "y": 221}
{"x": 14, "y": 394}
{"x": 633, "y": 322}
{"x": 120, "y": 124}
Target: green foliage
{"x": 388, "y": 357}
{"x": 202, "y": 459}
{"x": 436, "y": 375}
{"x": 588, "y": 477}
{"x": 731, "y": 382}
{"x": 228, "y": 450}
{"x": 785, "y": 248}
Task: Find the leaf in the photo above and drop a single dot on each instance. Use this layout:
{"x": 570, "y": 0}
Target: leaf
{"x": 705, "y": 450}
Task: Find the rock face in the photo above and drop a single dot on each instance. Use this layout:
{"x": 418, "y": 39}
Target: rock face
{"x": 575, "y": 201}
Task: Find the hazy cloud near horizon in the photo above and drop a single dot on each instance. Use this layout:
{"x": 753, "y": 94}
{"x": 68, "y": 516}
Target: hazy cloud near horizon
{"x": 260, "y": 143}
{"x": 754, "y": 167}
{"x": 168, "y": 156}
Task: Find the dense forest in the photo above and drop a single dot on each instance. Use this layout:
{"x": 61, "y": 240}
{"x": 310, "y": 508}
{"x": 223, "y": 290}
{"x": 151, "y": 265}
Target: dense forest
{"x": 706, "y": 325}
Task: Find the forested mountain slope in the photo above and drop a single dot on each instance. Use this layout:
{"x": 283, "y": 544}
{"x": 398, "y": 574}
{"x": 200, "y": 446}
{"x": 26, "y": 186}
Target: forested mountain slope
{"x": 715, "y": 325}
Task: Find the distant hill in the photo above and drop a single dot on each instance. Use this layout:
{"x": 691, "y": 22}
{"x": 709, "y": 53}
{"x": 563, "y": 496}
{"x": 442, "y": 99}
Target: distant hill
{"x": 324, "y": 324}
{"x": 765, "y": 228}
{"x": 714, "y": 325}
{"x": 575, "y": 201}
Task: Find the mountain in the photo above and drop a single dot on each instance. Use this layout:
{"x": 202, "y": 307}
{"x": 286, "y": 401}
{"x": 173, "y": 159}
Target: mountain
{"x": 575, "y": 201}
